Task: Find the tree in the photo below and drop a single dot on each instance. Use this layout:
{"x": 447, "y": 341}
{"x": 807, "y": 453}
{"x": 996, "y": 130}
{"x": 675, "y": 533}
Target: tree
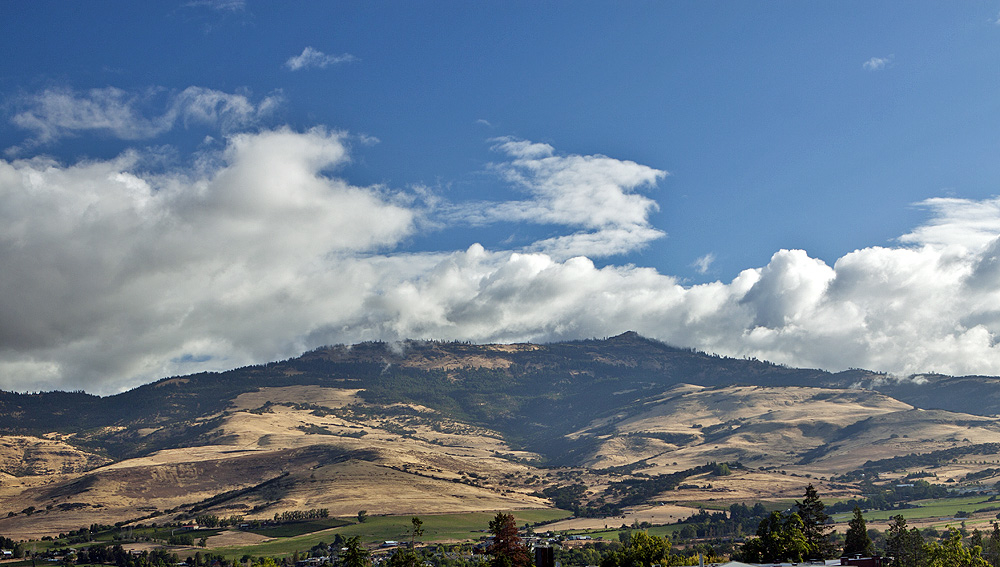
{"x": 779, "y": 538}
{"x": 856, "y": 540}
{"x": 362, "y": 516}
{"x": 992, "y": 551}
{"x": 507, "y": 548}
{"x": 951, "y": 553}
{"x": 404, "y": 558}
{"x": 905, "y": 547}
{"x": 418, "y": 530}
{"x": 641, "y": 550}
{"x": 355, "y": 555}
{"x": 814, "y": 526}
{"x": 976, "y": 539}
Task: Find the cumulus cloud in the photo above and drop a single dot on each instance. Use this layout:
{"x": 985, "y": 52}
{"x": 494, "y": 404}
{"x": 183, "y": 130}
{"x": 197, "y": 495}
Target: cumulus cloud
{"x": 311, "y": 57}
{"x": 593, "y": 193}
{"x": 114, "y": 275}
{"x": 877, "y": 63}
{"x": 57, "y": 113}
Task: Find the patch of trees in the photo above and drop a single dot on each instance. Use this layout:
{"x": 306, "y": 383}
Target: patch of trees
{"x": 891, "y": 496}
{"x": 985, "y": 473}
{"x": 638, "y": 490}
{"x": 213, "y": 521}
{"x": 794, "y": 536}
{"x": 180, "y": 539}
{"x": 741, "y": 520}
{"x": 907, "y": 548}
{"x": 571, "y": 497}
{"x": 919, "y": 460}
{"x": 640, "y": 549}
{"x": 299, "y": 515}
{"x": 232, "y": 494}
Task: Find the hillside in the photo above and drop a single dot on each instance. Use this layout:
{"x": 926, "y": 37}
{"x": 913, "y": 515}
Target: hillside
{"x": 447, "y": 427}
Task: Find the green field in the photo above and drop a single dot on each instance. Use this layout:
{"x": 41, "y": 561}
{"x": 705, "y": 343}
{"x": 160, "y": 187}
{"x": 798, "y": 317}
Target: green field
{"x": 437, "y": 528}
{"x": 932, "y": 509}
{"x": 299, "y": 528}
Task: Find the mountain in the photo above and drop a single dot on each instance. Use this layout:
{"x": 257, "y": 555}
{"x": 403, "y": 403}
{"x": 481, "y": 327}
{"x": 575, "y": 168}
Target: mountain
{"x": 456, "y": 426}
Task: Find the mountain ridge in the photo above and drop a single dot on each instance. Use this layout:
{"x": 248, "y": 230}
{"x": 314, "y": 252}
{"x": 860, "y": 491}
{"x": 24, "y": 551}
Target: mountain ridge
{"x": 457, "y": 426}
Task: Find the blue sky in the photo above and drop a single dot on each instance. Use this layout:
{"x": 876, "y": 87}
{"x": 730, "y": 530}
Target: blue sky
{"x": 200, "y": 185}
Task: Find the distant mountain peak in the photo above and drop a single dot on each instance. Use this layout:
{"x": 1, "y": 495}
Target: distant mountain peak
{"x": 628, "y": 336}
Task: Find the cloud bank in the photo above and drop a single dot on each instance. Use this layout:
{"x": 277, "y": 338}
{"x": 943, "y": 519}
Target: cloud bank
{"x": 113, "y": 276}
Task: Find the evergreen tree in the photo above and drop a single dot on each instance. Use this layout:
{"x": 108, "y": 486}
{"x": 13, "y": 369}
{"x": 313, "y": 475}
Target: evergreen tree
{"x": 856, "y": 540}
{"x": 814, "y": 526}
{"x": 905, "y": 547}
{"x": 992, "y": 551}
{"x": 404, "y": 558}
{"x": 355, "y": 555}
{"x": 976, "y": 539}
{"x": 507, "y": 549}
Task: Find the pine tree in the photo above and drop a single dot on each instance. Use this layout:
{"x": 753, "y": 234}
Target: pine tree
{"x": 356, "y": 555}
{"x": 904, "y": 546}
{"x": 992, "y": 551}
{"x": 856, "y": 540}
{"x": 814, "y": 526}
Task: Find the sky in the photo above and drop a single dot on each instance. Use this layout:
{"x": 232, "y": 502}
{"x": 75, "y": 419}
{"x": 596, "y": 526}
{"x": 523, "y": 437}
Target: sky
{"x": 200, "y": 185}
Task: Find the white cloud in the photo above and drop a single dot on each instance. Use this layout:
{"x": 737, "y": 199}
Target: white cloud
{"x": 113, "y": 276}
{"x": 57, "y": 113}
{"x": 315, "y": 58}
{"x": 878, "y": 63}
{"x": 702, "y": 264}
{"x": 110, "y": 272}
{"x": 220, "y": 5}
{"x": 594, "y": 193}
{"x": 957, "y": 222}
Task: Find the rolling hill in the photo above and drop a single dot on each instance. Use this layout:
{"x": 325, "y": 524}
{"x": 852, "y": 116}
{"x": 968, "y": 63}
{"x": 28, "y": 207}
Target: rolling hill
{"x": 424, "y": 427}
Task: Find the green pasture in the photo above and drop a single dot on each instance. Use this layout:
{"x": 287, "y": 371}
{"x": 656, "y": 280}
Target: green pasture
{"x": 300, "y": 528}
{"x": 928, "y": 509}
{"x": 437, "y": 528}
